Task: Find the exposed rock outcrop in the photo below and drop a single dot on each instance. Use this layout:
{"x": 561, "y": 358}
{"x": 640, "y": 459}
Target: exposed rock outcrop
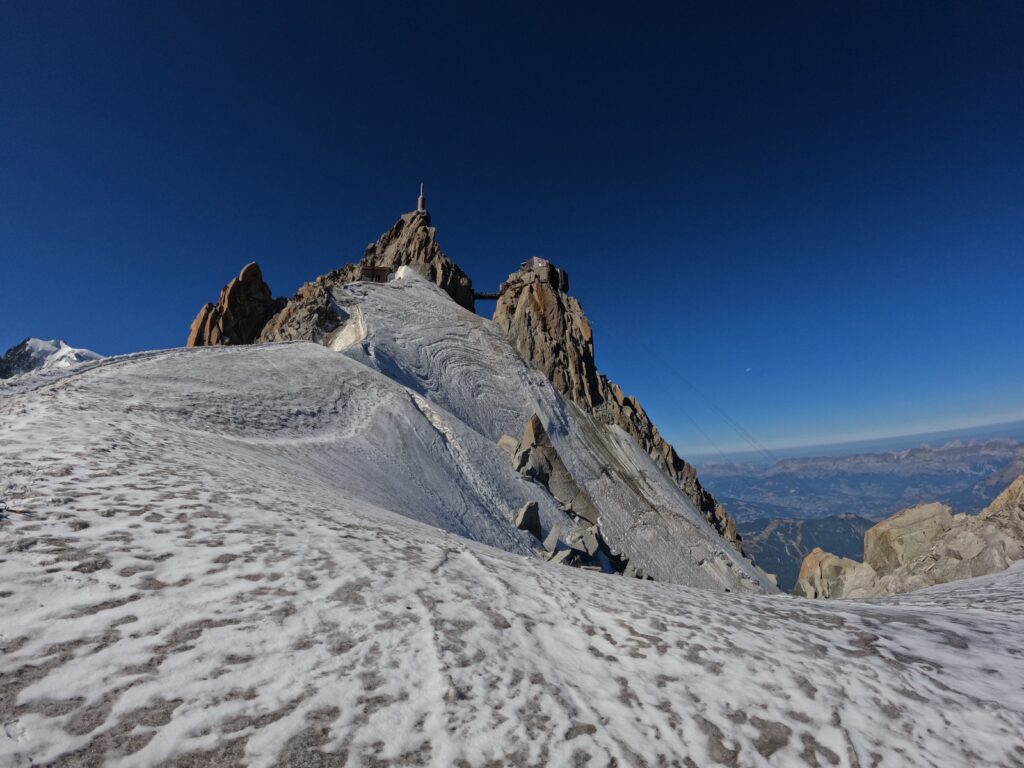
{"x": 528, "y": 519}
{"x": 549, "y": 329}
{"x": 411, "y": 241}
{"x": 922, "y": 546}
{"x": 306, "y": 316}
{"x": 244, "y": 306}
{"x": 536, "y": 457}
{"x": 905, "y": 536}
{"x": 823, "y": 574}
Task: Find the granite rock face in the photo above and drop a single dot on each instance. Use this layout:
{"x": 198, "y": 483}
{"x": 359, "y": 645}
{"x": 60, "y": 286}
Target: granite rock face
{"x": 905, "y": 536}
{"x": 550, "y": 331}
{"x": 307, "y": 316}
{"x": 922, "y": 546}
{"x": 823, "y": 574}
{"x": 244, "y": 306}
{"x": 411, "y": 241}
{"x": 534, "y": 456}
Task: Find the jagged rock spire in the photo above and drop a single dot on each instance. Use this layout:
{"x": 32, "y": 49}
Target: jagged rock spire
{"x": 548, "y": 328}
{"x": 244, "y": 306}
{"x": 411, "y": 241}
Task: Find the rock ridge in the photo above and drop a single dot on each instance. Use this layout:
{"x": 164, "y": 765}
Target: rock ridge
{"x": 411, "y": 241}
{"x": 549, "y": 329}
{"x": 922, "y": 546}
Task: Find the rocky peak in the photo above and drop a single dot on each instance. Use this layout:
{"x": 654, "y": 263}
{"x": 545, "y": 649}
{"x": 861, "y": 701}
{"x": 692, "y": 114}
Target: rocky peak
{"x": 548, "y": 328}
{"x": 244, "y": 306}
{"x": 411, "y": 241}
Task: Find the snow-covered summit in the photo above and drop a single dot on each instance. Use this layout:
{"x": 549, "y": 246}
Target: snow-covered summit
{"x": 35, "y": 354}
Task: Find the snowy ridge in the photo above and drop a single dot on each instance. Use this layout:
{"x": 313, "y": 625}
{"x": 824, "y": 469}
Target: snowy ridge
{"x": 414, "y": 334}
{"x": 186, "y": 580}
{"x": 39, "y": 354}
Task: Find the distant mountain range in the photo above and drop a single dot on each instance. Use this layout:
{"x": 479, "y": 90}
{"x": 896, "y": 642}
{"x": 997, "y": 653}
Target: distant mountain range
{"x": 965, "y": 475}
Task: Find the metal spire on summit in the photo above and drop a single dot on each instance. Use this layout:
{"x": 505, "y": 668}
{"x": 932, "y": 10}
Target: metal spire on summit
{"x": 421, "y": 202}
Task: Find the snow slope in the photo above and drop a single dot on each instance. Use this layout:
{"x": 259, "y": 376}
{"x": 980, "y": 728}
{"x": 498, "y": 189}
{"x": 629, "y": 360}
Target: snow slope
{"x": 36, "y": 354}
{"x": 194, "y": 573}
{"x": 410, "y": 331}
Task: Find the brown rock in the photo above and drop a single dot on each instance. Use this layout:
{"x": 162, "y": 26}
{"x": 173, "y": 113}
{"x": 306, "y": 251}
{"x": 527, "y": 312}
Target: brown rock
{"x": 411, "y": 241}
{"x": 244, "y": 306}
{"x": 550, "y": 331}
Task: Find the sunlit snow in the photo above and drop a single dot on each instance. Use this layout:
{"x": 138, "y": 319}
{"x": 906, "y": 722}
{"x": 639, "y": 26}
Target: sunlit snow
{"x": 287, "y": 555}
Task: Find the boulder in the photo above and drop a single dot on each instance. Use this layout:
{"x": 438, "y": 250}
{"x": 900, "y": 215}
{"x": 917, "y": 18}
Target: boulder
{"x": 583, "y": 537}
{"x": 563, "y": 557}
{"x": 243, "y": 309}
{"x": 528, "y": 519}
{"x": 905, "y": 536}
{"x": 508, "y": 444}
{"x": 551, "y": 542}
{"x": 823, "y": 574}
{"x": 922, "y": 546}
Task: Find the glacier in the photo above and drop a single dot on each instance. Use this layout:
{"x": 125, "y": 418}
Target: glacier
{"x": 300, "y": 554}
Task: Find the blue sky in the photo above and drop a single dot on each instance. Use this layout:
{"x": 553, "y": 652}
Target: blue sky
{"x": 810, "y": 214}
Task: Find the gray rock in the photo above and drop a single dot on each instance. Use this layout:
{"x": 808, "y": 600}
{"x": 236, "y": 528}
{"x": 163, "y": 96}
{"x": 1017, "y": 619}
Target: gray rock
{"x": 922, "y": 546}
{"x": 583, "y": 537}
{"x": 538, "y": 459}
{"x": 563, "y": 557}
{"x": 551, "y": 542}
{"x": 528, "y": 519}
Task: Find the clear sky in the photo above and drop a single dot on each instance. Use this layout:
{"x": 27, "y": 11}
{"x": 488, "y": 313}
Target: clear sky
{"x": 812, "y": 213}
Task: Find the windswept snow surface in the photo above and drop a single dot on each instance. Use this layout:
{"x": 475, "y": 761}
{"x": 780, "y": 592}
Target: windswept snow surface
{"x": 413, "y": 333}
{"x": 190, "y": 575}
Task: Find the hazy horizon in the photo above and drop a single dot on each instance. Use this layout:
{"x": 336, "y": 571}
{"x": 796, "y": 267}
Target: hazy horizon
{"x": 1012, "y": 429}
